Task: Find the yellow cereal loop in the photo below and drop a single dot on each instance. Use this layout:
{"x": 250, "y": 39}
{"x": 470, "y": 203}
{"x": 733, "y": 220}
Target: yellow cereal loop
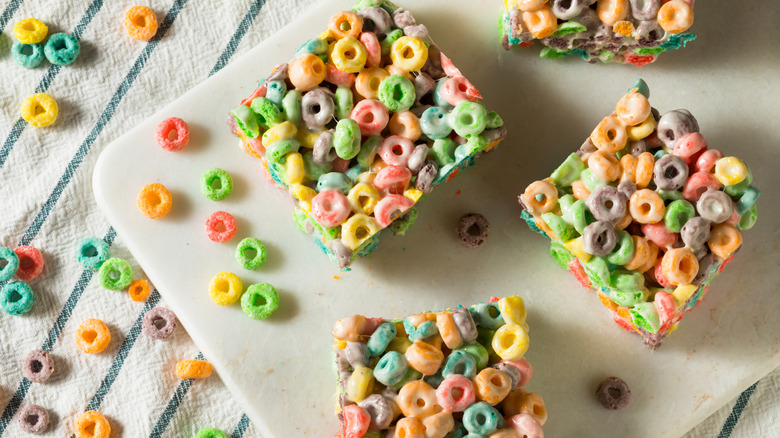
{"x": 225, "y": 288}
{"x": 368, "y": 80}
{"x": 302, "y": 192}
{"x": 510, "y": 342}
{"x": 348, "y": 55}
{"x": 360, "y": 383}
{"x": 363, "y": 197}
{"x": 413, "y": 194}
{"x": 30, "y": 31}
{"x": 409, "y": 53}
{"x": 193, "y": 369}
{"x": 282, "y": 131}
{"x": 39, "y": 110}
{"x": 730, "y": 171}
{"x": 641, "y": 130}
{"x": 683, "y": 293}
{"x": 577, "y": 247}
{"x": 512, "y": 309}
{"x": 528, "y": 5}
{"x": 307, "y": 138}
{"x": 294, "y": 168}
{"x": 357, "y": 230}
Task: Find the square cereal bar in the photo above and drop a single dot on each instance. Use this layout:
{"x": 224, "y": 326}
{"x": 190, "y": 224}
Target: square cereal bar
{"x": 644, "y": 213}
{"x": 361, "y": 124}
{"x": 459, "y": 372}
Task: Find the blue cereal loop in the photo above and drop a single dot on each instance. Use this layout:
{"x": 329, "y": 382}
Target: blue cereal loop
{"x": 8, "y": 269}
{"x": 16, "y": 298}
{"x": 62, "y": 49}
{"x": 641, "y": 87}
{"x": 92, "y": 252}
{"x": 27, "y": 55}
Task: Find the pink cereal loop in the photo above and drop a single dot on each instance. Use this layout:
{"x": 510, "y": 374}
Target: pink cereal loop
{"x": 356, "y": 420}
{"x": 330, "y": 208}
{"x": 220, "y": 219}
{"x": 387, "y": 209}
{"x": 690, "y": 147}
{"x": 697, "y": 184}
{"x": 256, "y": 145}
{"x": 395, "y": 150}
{"x": 30, "y": 263}
{"x": 371, "y": 43}
{"x": 338, "y": 77}
{"x": 371, "y": 116}
{"x": 664, "y": 303}
{"x": 458, "y": 89}
{"x": 445, "y": 393}
{"x": 707, "y": 160}
{"x": 659, "y": 274}
{"x": 525, "y": 368}
{"x": 448, "y": 67}
{"x": 525, "y": 425}
{"x": 173, "y": 134}
{"x": 658, "y": 234}
{"x": 259, "y": 92}
{"x": 393, "y": 180}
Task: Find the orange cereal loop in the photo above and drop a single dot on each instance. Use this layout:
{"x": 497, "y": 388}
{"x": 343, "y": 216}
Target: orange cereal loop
{"x": 644, "y": 169}
{"x": 193, "y": 369}
{"x": 641, "y": 253}
{"x": 540, "y": 197}
{"x": 306, "y": 71}
{"x": 612, "y": 11}
{"x": 91, "y": 424}
{"x": 675, "y": 16}
{"x": 530, "y": 5}
{"x": 633, "y": 108}
{"x": 139, "y": 290}
{"x": 93, "y": 336}
{"x": 405, "y": 124}
{"x": 492, "y": 385}
{"x": 155, "y": 201}
{"x": 541, "y": 22}
{"x": 652, "y": 258}
{"x": 679, "y": 266}
{"x": 624, "y": 28}
{"x": 625, "y": 222}
{"x": 345, "y": 24}
{"x": 610, "y": 135}
{"x": 724, "y": 240}
{"x": 604, "y": 165}
{"x": 606, "y": 302}
{"x": 628, "y": 167}
{"x": 141, "y": 23}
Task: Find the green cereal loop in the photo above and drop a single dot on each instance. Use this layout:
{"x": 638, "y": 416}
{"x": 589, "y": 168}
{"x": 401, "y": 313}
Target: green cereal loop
{"x": 479, "y": 353}
{"x": 210, "y": 432}
{"x": 280, "y": 148}
{"x": 16, "y": 298}
{"x": 207, "y": 184}
{"x": 549, "y": 52}
{"x": 493, "y": 120}
{"x": 312, "y": 169}
{"x": 443, "y": 151}
{"x": 627, "y": 298}
{"x": 115, "y": 274}
{"x": 260, "y": 301}
{"x": 591, "y": 181}
{"x": 246, "y": 121}
{"x": 568, "y": 172}
{"x": 748, "y": 220}
{"x": 300, "y": 219}
{"x": 645, "y": 315}
{"x": 268, "y": 114}
{"x": 411, "y": 374}
{"x": 368, "y": 151}
{"x": 623, "y": 279}
{"x": 474, "y": 145}
{"x": 561, "y": 255}
{"x": 677, "y": 214}
{"x": 641, "y": 87}
{"x": 563, "y": 231}
{"x": 670, "y": 195}
{"x": 11, "y": 265}
{"x": 346, "y": 139}
{"x": 91, "y": 253}
{"x": 565, "y": 202}
{"x": 403, "y": 223}
{"x": 468, "y": 118}
{"x": 396, "y": 93}
{"x": 291, "y": 103}
{"x": 597, "y": 270}
{"x": 390, "y": 38}
{"x": 569, "y": 27}
{"x": 624, "y": 250}
{"x": 344, "y": 102}
{"x": 580, "y": 215}
{"x": 250, "y": 244}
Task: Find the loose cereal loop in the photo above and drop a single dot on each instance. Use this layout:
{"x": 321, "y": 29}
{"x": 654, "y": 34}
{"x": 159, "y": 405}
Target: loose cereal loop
{"x": 249, "y": 261}
{"x": 473, "y": 230}
{"x": 92, "y": 252}
{"x": 173, "y": 134}
{"x": 16, "y": 298}
{"x": 115, "y": 274}
{"x": 139, "y": 290}
{"x": 30, "y": 31}
{"x": 27, "y": 55}
{"x": 62, "y": 49}
{"x": 30, "y": 263}
{"x": 92, "y": 424}
{"x": 141, "y": 23}
{"x": 210, "y": 432}
{"x": 33, "y": 419}
{"x": 40, "y": 110}
{"x": 92, "y": 336}
{"x": 155, "y": 201}
{"x": 613, "y": 393}
{"x": 9, "y": 263}
{"x": 220, "y": 226}
{"x": 159, "y": 323}
{"x": 193, "y": 369}
{"x": 260, "y": 301}
{"x": 225, "y": 288}
{"x": 37, "y": 366}
{"x": 216, "y": 184}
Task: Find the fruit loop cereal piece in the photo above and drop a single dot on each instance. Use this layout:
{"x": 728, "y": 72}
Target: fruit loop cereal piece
{"x": 155, "y": 201}
{"x": 622, "y": 31}
{"x": 193, "y": 369}
{"x": 92, "y": 252}
{"x": 159, "y": 323}
{"x": 33, "y": 419}
{"x": 210, "y": 432}
{"x": 225, "y": 288}
{"x": 613, "y": 393}
{"x": 639, "y": 215}
{"x": 30, "y": 31}
{"x": 139, "y": 290}
{"x": 38, "y": 366}
{"x": 16, "y": 298}
{"x": 62, "y": 49}
{"x": 473, "y": 230}
{"x": 260, "y": 301}
{"x": 30, "y": 263}
{"x": 220, "y": 226}
{"x": 39, "y": 110}
{"x": 115, "y": 274}
{"x": 173, "y": 134}
{"x": 141, "y": 23}
{"x": 27, "y": 55}
{"x": 244, "y": 254}
{"x": 92, "y": 424}
{"x": 216, "y": 184}
{"x": 438, "y": 390}
{"x": 92, "y": 336}
{"x": 9, "y": 263}
{"x": 359, "y": 95}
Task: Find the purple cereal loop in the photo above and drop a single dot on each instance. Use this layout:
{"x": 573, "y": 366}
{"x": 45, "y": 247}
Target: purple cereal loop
{"x": 473, "y": 230}
{"x": 627, "y": 188}
{"x": 403, "y": 18}
{"x": 494, "y": 135}
{"x": 340, "y": 251}
{"x": 715, "y": 206}
{"x": 378, "y": 407}
{"x": 423, "y": 84}
{"x": 605, "y": 391}
{"x": 432, "y": 66}
{"x": 674, "y": 125}
{"x": 426, "y": 176}
{"x": 670, "y": 172}
{"x": 567, "y": 9}
{"x": 357, "y": 354}
{"x": 279, "y": 73}
{"x": 378, "y": 17}
{"x": 695, "y": 232}
{"x": 649, "y": 33}
{"x": 638, "y": 147}
{"x": 607, "y": 204}
{"x": 513, "y": 372}
{"x": 159, "y": 323}
{"x": 418, "y": 31}
{"x": 317, "y": 107}
{"x": 465, "y": 324}
{"x": 586, "y": 149}
{"x": 707, "y": 268}
{"x": 38, "y": 366}
{"x": 417, "y": 158}
{"x": 644, "y": 9}
{"x": 33, "y": 419}
{"x": 323, "y": 151}
{"x": 599, "y": 238}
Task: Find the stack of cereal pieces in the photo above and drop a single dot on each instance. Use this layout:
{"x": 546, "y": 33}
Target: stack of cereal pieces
{"x": 455, "y": 373}
{"x": 624, "y": 31}
{"x": 645, "y": 213}
{"x": 363, "y": 122}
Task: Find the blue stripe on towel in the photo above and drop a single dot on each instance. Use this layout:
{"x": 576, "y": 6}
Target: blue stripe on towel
{"x": 173, "y": 405}
{"x": 238, "y": 35}
{"x": 241, "y": 427}
{"x": 8, "y": 12}
{"x": 736, "y": 412}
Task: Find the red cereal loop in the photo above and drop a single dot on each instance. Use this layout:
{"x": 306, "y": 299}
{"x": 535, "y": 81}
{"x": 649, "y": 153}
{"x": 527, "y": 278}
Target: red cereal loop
{"x": 173, "y": 134}
{"x": 220, "y": 226}
{"x": 579, "y": 273}
{"x": 638, "y": 60}
{"x": 30, "y": 263}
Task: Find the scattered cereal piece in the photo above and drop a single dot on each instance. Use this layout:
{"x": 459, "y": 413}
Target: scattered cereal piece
{"x": 16, "y": 298}
{"x": 250, "y": 244}
{"x": 92, "y": 253}
{"x": 613, "y": 393}
{"x": 155, "y": 201}
{"x": 38, "y": 366}
{"x": 159, "y": 323}
{"x": 220, "y": 226}
{"x": 30, "y": 31}
{"x": 216, "y": 184}
{"x": 92, "y": 424}
{"x": 30, "y": 263}
{"x": 9, "y": 263}
{"x": 210, "y": 432}
{"x": 173, "y": 134}
{"x": 225, "y": 288}
{"x": 139, "y": 290}
{"x": 27, "y": 55}
{"x": 473, "y": 230}
{"x": 33, "y": 419}
{"x": 115, "y": 274}
{"x": 93, "y": 336}
{"x": 39, "y": 110}
{"x": 141, "y": 23}
{"x": 193, "y": 369}
{"x": 260, "y": 301}
{"x": 62, "y": 49}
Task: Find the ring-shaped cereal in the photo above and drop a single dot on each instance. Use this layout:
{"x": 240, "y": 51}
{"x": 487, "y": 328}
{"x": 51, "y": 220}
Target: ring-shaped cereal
{"x": 628, "y": 164}
{"x": 410, "y": 427}
{"x": 306, "y": 71}
{"x": 373, "y": 49}
{"x": 348, "y": 55}
{"x": 16, "y": 298}
{"x": 62, "y": 49}
{"x": 724, "y": 240}
{"x": 155, "y": 201}
{"x": 393, "y": 180}
{"x": 540, "y": 197}
{"x": 612, "y": 11}
{"x": 641, "y": 253}
{"x": 27, "y": 55}
{"x": 159, "y": 323}
{"x": 646, "y": 206}
{"x": 409, "y": 53}
{"x": 690, "y": 147}
{"x": 405, "y": 124}
{"x": 579, "y": 190}
{"x": 92, "y": 336}
{"x": 457, "y": 89}
{"x": 11, "y": 265}
{"x": 357, "y": 229}
{"x": 138, "y": 290}
{"x": 30, "y": 31}
{"x": 675, "y": 16}
{"x": 282, "y": 131}
{"x": 330, "y": 208}
{"x": 115, "y": 274}
{"x": 417, "y": 399}
{"x": 730, "y": 171}
{"x": 39, "y": 110}
{"x": 210, "y": 432}
{"x": 193, "y": 369}
{"x": 91, "y": 424}
{"x": 604, "y": 165}
{"x": 679, "y": 266}
{"x": 541, "y": 22}
{"x": 173, "y": 134}
{"x": 525, "y": 425}
{"x": 356, "y": 421}
{"x": 468, "y": 119}
{"x": 610, "y": 134}
{"x": 141, "y": 23}
{"x": 250, "y": 244}
{"x": 698, "y": 184}
{"x": 260, "y": 301}
{"x": 371, "y": 116}
{"x": 363, "y": 197}
{"x": 30, "y": 263}
{"x": 345, "y": 24}
{"x": 652, "y": 259}
{"x": 642, "y": 130}
{"x": 92, "y": 252}
{"x": 395, "y": 150}
{"x": 659, "y": 234}
{"x": 492, "y": 385}
{"x": 368, "y": 80}
{"x": 34, "y": 419}
{"x": 222, "y": 190}
{"x": 707, "y": 160}
{"x": 225, "y": 288}
{"x": 645, "y": 166}
{"x": 220, "y": 226}
{"x": 396, "y": 93}
{"x": 455, "y": 393}
{"x": 510, "y": 342}
{"x": 633, "y": 108}
{"x": 390, "y": 207}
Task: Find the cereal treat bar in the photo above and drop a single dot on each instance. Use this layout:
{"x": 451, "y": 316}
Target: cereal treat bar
{"x": 645, "y": 213}
{"x": 625, "y": 31}
{"x": 361, "y": 124}
{"x": 455, "y": 373}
